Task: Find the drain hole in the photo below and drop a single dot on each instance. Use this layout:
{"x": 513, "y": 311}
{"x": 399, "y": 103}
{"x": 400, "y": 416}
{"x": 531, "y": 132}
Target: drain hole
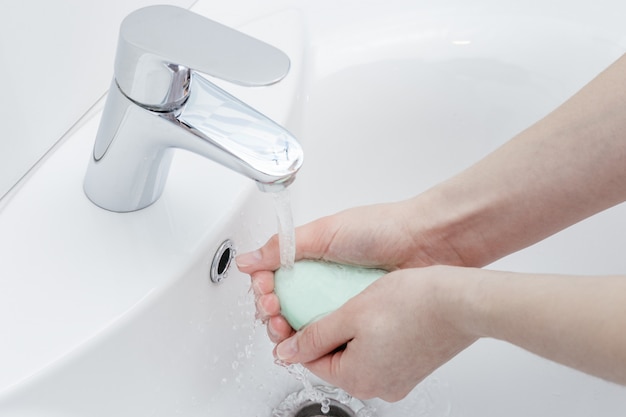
{"x": 315, "y": 410}
{"x": 300, "y": 404}
{"x": 224, "y": 262}
{"x": 221, "y": 261}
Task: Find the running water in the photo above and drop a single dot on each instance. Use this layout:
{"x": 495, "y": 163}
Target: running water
{"x": 313, "y": 394}
{"x": 287, "y": 245}
{"x": 286, "y": 231}
{"x": 322, "y": 395}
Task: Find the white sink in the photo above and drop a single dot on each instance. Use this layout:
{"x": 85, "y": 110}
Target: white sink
{"x": 107, "y": 314}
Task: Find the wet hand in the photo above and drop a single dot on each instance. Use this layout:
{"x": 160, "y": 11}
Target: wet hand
{"x": 380, "y": 236}
{"x": 368, "y": 236}
{"x": 384, "y": 341}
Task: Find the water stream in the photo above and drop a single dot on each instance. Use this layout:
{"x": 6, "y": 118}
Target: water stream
{"x": 286, "y": 231}
{"x": 301, "y": 374}
{"x": 287, "y": 245}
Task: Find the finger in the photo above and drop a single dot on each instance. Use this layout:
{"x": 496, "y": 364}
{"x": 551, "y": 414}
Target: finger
{"x": 328, "y": 368}
{"x": 266, "y": 258}
{"x": 312, "y": 241}
{"x": 267, "y": 306}
{"x": 262, "y": 282}
{"x": 278, "y": 329}
{"x": 344, "y": 369}
{"x": 316, "y": 339}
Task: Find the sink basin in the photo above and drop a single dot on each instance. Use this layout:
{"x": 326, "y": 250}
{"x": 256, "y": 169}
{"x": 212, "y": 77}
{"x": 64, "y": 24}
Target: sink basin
{"x": 94, "y": 304}
{"x": 114, "y": 314}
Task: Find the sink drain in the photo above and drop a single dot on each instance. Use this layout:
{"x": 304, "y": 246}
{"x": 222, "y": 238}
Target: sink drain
{"x": 221, "y": 261}
{"x": 313, "y": 409}
{"x": 339, "y": 402}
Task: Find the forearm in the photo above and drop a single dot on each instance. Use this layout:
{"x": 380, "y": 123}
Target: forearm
{"x": 574, "y": 320}
{"x": 566, "y": 167}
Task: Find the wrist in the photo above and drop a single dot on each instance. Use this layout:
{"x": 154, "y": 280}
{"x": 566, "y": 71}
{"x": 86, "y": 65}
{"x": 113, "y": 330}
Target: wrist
{"x": 446, "y": 225}
{"x": 462, "y": 300}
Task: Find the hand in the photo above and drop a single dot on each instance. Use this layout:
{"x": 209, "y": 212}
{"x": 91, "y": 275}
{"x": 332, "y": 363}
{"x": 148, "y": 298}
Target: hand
{"x": 396, "y": 332}
{"x": 376, "y": 236}
{"x": 533, "y": 186}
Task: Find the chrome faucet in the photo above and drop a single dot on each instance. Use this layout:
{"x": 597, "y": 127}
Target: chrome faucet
{"x": 158, "y": 102}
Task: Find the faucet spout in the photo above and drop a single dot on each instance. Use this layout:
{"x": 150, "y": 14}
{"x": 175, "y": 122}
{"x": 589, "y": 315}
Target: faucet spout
{"x": 237, "y": 136}
{"x": 138, "y": 131}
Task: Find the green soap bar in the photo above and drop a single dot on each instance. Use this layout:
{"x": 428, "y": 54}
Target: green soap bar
{"x": 312, "y": 289}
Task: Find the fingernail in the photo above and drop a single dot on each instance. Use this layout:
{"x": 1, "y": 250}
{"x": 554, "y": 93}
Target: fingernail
{"x": 247, "y": 259}
{"x": 287, "y": 349}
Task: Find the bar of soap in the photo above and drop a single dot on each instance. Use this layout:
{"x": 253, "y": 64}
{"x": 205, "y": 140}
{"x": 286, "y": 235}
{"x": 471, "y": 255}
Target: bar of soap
{"x": 312, "y": 289}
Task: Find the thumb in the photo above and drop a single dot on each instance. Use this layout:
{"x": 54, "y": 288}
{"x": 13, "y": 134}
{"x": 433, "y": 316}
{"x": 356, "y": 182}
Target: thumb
{"x": 312, "y": 241}
{"x": 266, "y": 258}
{"x": 314, "y": 340}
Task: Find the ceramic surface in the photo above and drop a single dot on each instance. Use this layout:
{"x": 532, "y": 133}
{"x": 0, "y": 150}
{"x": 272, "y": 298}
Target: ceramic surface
{"x": 113, "y": 314}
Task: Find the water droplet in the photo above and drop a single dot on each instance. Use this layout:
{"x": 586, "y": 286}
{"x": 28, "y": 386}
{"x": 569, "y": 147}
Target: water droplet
{"x": 366, "y": 411}
{"x": 325, "y": 405}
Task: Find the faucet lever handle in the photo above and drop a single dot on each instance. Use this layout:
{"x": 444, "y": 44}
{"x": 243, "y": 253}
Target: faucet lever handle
{"x": 159, "y": 45}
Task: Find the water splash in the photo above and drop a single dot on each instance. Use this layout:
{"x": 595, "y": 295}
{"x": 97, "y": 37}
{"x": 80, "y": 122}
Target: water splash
{"x": 320, "y": 394}
{"x": 366, "y": 411}
{"x": 332, "y": 397}
{"x": 300, "y": 373}
{"x": 286, "y": 231}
